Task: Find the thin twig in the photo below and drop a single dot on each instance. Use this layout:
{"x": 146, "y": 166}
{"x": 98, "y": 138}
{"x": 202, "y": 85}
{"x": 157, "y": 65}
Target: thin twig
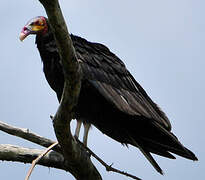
{"x": 35, "y": 161}
{"x": 107, "y": 167}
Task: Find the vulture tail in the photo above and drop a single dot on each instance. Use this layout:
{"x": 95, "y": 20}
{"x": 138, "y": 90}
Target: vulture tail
{"x": 148, "y": 156}
{"x": 169, "y": 142}
{"x": 156, "y": 139}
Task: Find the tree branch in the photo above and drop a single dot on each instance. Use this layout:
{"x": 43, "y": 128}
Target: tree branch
{"x": 72, "y": 152}
{"x": 28, "y": 135}
{"x": 35, "y": 161}
{"x": 32, "y": 137}
{"x": 108, "y": 167}
{"x": 26, "y": 155}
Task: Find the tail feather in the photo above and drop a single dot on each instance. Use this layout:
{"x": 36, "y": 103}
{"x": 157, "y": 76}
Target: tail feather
{"x": 148, "y": 156}
{"x": 151, "y": 160}
{"x": 159, "y": 151}
{"x": 158, "y": 140}
{"x": 172, "y": 144}
{"x": 159, "y": 148}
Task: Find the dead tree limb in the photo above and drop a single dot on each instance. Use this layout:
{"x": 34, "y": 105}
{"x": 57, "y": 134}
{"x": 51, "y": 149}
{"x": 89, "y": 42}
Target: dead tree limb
{"x": 81, "y": 165}
{"x": 28, "y": 135}
{"x": 35, "y": 161}
{"x": 37, "y": 139}
{"x": 26, "y": 155}
{"x": 108, "y": 167}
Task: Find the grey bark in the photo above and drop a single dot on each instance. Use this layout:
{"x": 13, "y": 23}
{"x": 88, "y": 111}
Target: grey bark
{"x": 26, "y": 155}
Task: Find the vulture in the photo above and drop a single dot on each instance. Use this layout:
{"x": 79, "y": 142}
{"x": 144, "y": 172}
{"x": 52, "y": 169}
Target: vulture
{"x": 110, "y": 98}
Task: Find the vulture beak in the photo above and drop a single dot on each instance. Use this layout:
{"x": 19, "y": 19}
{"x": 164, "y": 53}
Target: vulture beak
{"x": 22, "y": 36}
{"x": 25, "y": 32}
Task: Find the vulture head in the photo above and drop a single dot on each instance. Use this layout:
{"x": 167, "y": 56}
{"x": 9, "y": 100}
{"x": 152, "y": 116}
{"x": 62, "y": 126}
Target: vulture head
{"x": 37, "y": 25}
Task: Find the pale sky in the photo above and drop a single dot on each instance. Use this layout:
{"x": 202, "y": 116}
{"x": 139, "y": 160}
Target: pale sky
{"x": 161, "y": 42}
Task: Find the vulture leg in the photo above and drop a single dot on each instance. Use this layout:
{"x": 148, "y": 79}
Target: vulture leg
{"x": 85, "y": 136}
{"x": 77, "y": 130}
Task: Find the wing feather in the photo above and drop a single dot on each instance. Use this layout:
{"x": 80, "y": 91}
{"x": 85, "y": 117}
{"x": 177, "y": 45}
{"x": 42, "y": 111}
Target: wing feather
{"x": 106, "y": 72}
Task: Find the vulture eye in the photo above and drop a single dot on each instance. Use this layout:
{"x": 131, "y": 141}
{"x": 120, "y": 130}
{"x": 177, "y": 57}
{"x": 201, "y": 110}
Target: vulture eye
{"x": 38, "y": 23}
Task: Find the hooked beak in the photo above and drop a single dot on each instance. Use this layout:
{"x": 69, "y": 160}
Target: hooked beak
{"x": 25, "y": 32}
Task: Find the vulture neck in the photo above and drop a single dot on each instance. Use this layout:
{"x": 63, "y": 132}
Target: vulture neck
{"x": 51, "y": 61}
{"x": 46, "y": 45}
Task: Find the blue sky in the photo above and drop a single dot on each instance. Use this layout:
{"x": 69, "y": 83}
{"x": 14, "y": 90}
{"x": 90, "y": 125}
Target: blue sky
{"x": 162, "y": 44}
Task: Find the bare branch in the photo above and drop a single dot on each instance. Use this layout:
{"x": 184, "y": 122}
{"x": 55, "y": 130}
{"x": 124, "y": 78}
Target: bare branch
{"x": 72, "y": 152}
{"x": 19, "y": 154}
{"x": 108, "y": 167}
{"x": 32, "y": 137}
{"x": 35, "y": 161}
{"x": 26, "y": 155}
{"x": 11, "y": 154}
{"x": 28, "y": 135}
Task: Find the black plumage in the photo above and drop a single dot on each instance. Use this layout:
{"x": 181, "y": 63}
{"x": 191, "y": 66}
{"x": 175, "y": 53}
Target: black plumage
{"x": 111, "y": 99}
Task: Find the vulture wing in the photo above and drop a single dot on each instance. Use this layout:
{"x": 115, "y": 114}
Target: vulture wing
{"x": 108, "y": 74}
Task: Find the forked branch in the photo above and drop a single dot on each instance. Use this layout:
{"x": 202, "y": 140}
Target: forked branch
{"x": 20, "y": 154}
